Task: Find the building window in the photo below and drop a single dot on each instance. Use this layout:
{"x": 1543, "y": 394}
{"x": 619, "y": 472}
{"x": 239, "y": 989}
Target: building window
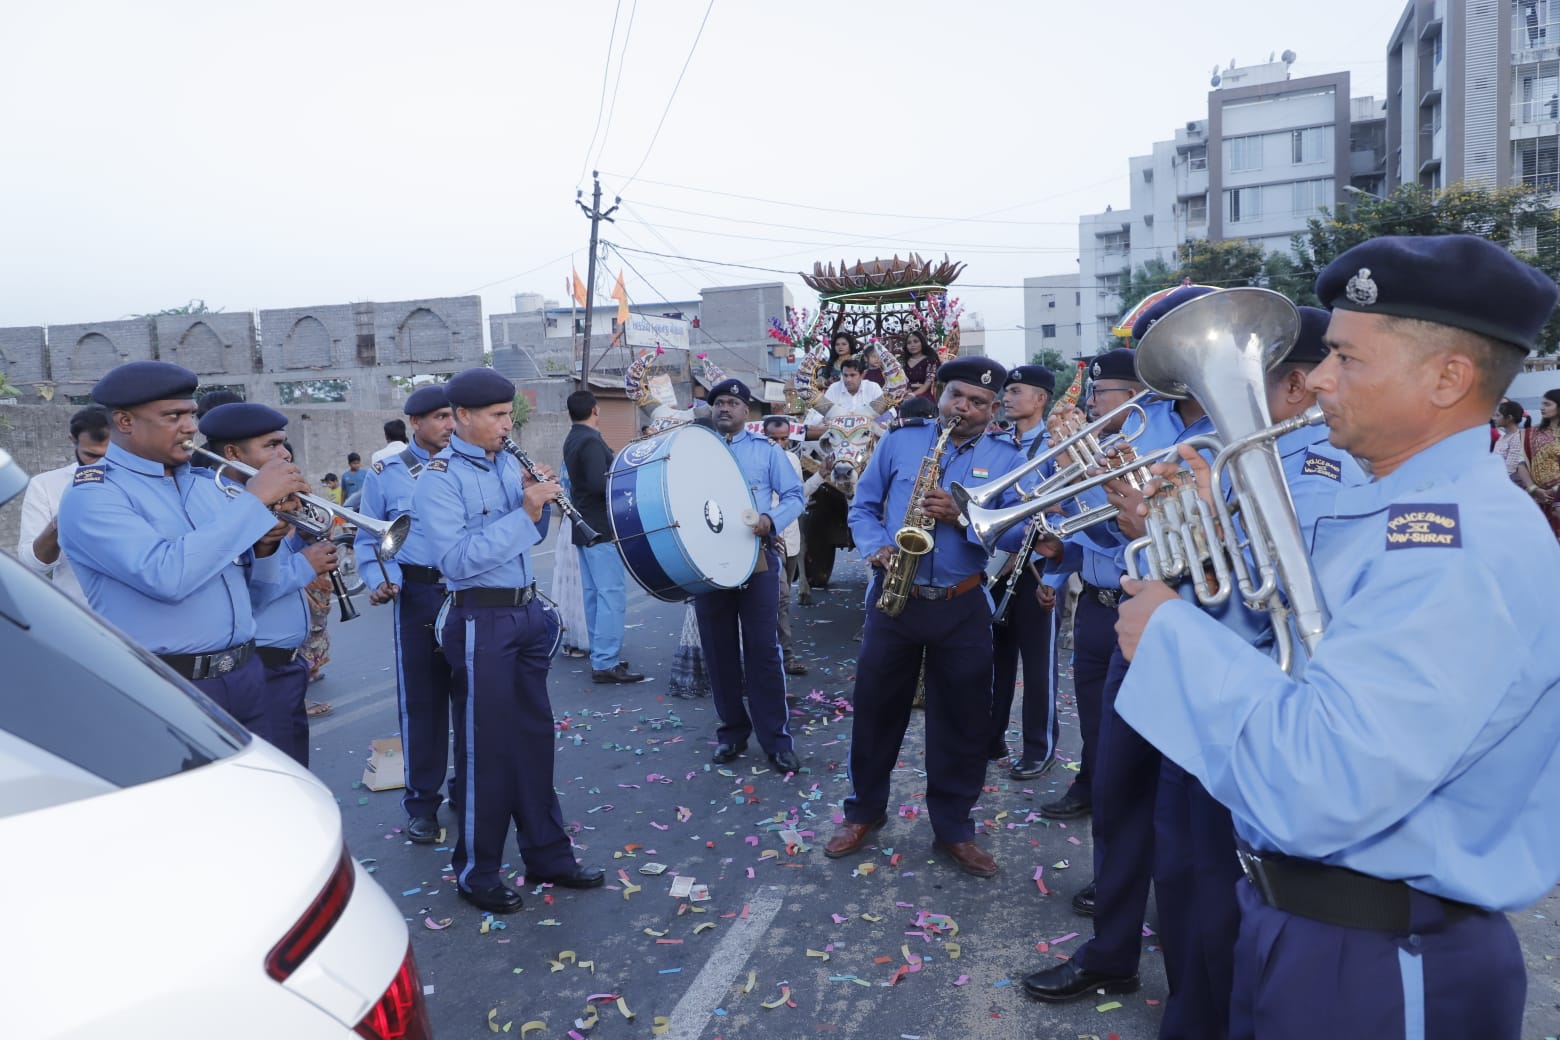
{"x": 1077, "y": 299}
{"x": 1197, "y": 159}
{"x": 1306, "y": 197}
{"x": 314, "y": 391}
{"x": 1245, "y": 154}
{"x": 1050, "y": 300}
{"x": 1197, "y": 210}
{"x": 1309, "y": 145}
{"x": 1539, "y": 163}
{"x": 1078, "y": 325}
{"x": 1245, "y": 204}
{"x": 1048, "y": 332}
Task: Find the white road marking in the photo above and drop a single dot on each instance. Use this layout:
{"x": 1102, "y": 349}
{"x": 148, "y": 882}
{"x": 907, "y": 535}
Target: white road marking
{"x": 710, "y": 987}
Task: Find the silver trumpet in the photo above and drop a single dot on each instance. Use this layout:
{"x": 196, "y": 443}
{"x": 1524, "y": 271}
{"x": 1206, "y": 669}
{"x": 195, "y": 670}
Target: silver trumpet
{"x": 1217, "y": 348}
{"x": 315, "y": 518}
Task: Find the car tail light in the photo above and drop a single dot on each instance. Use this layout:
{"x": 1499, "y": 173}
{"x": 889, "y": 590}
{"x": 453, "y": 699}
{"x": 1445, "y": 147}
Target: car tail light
{"x": 315, "y": 924}
{"x": 401, "y": 1013}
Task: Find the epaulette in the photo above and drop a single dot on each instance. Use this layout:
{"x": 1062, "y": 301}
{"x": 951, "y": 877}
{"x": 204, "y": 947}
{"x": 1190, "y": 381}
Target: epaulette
{"x": 92, "y": 474}
{"x": 378, "y": 467}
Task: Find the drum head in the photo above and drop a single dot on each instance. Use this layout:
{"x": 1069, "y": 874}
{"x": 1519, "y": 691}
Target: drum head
{"x": 708, "y": 496}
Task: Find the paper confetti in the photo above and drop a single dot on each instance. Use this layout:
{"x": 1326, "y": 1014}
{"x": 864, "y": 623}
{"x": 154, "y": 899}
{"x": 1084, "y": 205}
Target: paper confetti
{"x": 783, "y": 998}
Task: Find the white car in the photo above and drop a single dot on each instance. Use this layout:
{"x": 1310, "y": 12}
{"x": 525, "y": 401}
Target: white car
{"x": 165, "y": 874}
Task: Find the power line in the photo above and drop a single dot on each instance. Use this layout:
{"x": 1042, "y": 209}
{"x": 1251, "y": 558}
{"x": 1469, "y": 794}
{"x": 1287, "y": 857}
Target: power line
{"x": 622, "y": 56}
{"x": 705, "y": 332}
{"x": 605, "y": 69}
{"x": 664, "y": 112}
{"x": 522, "y": 274}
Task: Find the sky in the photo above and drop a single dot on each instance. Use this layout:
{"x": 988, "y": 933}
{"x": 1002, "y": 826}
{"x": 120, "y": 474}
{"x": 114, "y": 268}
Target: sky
{"x": 295, "y": 153}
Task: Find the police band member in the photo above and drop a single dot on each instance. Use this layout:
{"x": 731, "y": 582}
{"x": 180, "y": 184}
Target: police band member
{"x": 946, "y": 623}
{"x": 482, "y": 515}
{"x": 1126, "y": 768}
{"x": 738, "y": 627}
{"x": 1399, "y": 795}
{"x": 252, "y": 434}
{"x": 158, "y": 549}
{"x": 412, "y": 582}
{"x": 1096, "y": 555}
{"x": 1029, "y": 631}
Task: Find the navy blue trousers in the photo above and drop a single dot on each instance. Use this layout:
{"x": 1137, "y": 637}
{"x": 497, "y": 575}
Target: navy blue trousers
{"x": 1195, "y": 871}
{"x": 504, "y": 741}
{"x": 1029, "y": 634}
{"x": 242, "y": 694}
{"x": 422, "y": 696}
{"x": 738, "y": 633}
{"x": 953, "y": 637}
{"x": 1094, "y": 640}
{"x": 1298, "y": 979}
{"x": 286, "y": 688}
{"x": 1126, "y": 779}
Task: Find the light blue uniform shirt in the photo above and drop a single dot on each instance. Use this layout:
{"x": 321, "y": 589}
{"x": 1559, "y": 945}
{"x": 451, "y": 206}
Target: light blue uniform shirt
{"x": 1423, "y": 742}
{"x": 387, "y": 494}
{"x": 158, "y": 555}
{"x": 470, "y": 506}
{"x": 280, "y": 602}
{"x": 883, "y": 498}
{"x": 768, "y": 474}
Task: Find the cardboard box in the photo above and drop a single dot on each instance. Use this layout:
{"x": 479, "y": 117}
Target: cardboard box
{"x": 386, "y": 768}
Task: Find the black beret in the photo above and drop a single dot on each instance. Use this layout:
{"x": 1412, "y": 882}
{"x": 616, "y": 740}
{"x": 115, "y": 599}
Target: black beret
{"x": 732, "y": 388}
{"x": 137, "y": 382}
{"x": 478, "y": 388}
{"x": 1032, "y": 375}
{"x": 1164, "y": 305}
{"x": 1309, "y": 348}
{"x": 974, "y": 370}
{"x": 240, "y": 421}
{"x": 1463, "y": 281}
{"x": 427, "y": 399}
{"x": 1120, "y": 363}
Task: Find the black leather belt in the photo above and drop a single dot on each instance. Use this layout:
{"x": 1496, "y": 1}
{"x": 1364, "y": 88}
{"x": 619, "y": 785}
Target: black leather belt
{"x": 207, "y": 666}
{"x": 495, "y": 597}
{"x": 276, "y": 656}
{"x": 1337, "y": 895}
{"x": 1110, "y": 599}
{"x": 416, "y": 572}
{"x": 946, "y": 591}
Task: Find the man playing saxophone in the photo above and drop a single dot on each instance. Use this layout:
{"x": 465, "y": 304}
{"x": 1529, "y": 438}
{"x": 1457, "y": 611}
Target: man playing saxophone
{"x": 942, "y": 616}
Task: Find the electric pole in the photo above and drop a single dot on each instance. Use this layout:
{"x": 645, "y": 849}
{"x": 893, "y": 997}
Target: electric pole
{"x": 596, "y": 217}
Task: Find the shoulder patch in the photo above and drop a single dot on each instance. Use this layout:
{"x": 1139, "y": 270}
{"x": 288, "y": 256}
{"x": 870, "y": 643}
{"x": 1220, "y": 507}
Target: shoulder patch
{"x": 1430, "y": 525}
{"x": 438, "y": 465}
{"x": 89, "y": 475}
{"x": 378, "y": 467}
{"x": 1321, "y": 466}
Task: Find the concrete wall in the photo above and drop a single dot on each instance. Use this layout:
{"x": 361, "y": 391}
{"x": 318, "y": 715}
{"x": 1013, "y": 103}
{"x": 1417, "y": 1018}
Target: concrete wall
{"x": 220, "y": 348}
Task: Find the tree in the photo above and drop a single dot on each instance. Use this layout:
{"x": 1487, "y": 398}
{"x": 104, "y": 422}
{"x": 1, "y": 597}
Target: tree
{"x": 8, "y": 389}
{"x": 1518, "y": 217}
{"x": 1222, "y": 264}
{"x": 1051, "y": 358}
{"x": 1148, "y": 279}
{"x": 193, "y": 307}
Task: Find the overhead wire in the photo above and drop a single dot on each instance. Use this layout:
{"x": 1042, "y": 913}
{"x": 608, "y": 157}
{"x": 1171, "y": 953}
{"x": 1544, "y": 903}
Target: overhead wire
{"x": 705, "y": 332}
{"x": 606, "y": 69}
{"x": 667, "y": 110}
{"x": 622, "y": 56}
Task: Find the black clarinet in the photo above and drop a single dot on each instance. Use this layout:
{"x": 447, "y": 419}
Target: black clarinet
{"x": 587, "y": 532}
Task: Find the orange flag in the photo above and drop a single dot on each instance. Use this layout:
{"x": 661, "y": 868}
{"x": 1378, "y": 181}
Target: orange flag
{"x": 620, "y": 294}
{"x": 579, "y": 288}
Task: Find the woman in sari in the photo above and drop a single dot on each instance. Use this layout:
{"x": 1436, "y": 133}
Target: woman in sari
{"x": 920, "y": 366}
{"x": 1540, "y": 471}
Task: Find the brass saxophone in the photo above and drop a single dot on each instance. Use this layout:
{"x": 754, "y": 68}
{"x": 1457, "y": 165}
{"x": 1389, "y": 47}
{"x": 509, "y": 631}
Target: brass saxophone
{"x": 914, "y": 537}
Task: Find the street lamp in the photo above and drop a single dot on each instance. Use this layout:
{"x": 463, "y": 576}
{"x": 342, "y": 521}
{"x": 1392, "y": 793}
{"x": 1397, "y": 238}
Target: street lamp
{"x": 1362, "y": 193}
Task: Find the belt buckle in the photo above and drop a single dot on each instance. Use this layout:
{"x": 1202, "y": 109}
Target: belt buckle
{"x": 222, "y": 663}
{"x": 1109, "y": 598}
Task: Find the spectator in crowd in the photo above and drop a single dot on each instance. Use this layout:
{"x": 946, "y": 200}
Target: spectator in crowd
{"x": 920, "y": 366}
{"x": 332, "y": 484}
{"x": 395, "y": 441}
{"x": 1508, "y": 424}
{"x": 1539, "y": 470}
{"x": 39, "y": 544}
{"x": 352, "y": 479}
{"x": 853, "y": 393}
{"x": 778, "y": 429}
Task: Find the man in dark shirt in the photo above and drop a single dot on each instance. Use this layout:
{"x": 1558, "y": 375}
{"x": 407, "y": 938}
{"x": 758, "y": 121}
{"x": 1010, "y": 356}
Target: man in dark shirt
{"x": 587, "y": 459}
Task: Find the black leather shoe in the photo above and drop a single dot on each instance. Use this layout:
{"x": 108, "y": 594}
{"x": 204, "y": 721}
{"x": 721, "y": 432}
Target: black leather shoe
{"x": 579, "y": 877}
{"x": 728, "y": 753}
{"x": 618, "y": 673}
{"x": 1067, "y": 981}
{"x": 1083, "y": 902}
{"x": 785, "y": 762}
{"x": 997, "y": 751}
{"x": 495, "y": 899}
{"x": 423, "y": 830}
{"x": 1030, "y": 768}
{"x": 1068, "y": 807}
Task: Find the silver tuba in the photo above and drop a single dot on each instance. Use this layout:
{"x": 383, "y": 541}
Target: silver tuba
{"x": 1217, "y": 349}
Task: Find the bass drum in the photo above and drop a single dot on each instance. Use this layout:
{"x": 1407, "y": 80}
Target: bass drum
{"x": 680, "y": 509}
